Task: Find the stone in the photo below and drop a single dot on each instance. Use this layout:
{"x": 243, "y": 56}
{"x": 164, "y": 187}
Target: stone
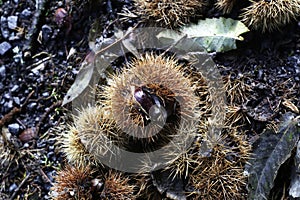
{"x": 12, "y": 22}
{"x": 2, "y": 71}
{"x": 14, "y": 128}
{"x": 26, "y": 13}
{"x": 4, "y": 29}
{"x": 4, "y": 47}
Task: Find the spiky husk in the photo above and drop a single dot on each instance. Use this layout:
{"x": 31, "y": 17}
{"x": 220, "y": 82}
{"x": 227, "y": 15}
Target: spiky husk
{"x": 169, "y": 13}
{"x": 220, "y": 175}
{"x": 180, "y": 164}
{"x": 147, "y": 190}
{"x": 88, "y": 138}
{"x": 117, "y": 186}
{"x": 97, "y": 131}
{"x": 225, "y": 5}
{"x": 237, "y": 94}
{"x": 7, "y": 154}
{"x": 149, "y": 69}
{"x": 270, "y": 15}
{"x": 70, "y": 144}
{"x": 81, "y": 182}
{"x": 73, "y": 182}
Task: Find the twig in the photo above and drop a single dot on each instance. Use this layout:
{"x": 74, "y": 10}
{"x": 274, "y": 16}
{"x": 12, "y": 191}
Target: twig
{"x": 40, "y": 62}
{"x": 27, "y": 99}
{"x": 19, "y": 187}
{"x": 44, "y": 116}
{"x": 45, "y": 177}
{"x": 8, "y": 117}
{"x": 117, "y": 41}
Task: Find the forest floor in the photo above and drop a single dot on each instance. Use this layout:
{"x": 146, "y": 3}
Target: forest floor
{"x": 42, "y": 45}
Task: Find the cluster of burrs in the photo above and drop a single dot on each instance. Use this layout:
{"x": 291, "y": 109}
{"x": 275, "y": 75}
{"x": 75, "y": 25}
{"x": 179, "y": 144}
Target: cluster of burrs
{"x": 151, "y": 104}
{"x": 261, "y": 15}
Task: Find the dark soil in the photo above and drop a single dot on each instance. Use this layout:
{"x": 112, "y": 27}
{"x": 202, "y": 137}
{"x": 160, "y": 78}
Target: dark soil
{"x": 37, "y": 69}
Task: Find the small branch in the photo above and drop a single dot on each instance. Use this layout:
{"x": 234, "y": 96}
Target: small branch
{"x": 45, "y": 177}
{"x": 27, "y": 99}
{"x": 117, "y": 41}
{"x": 9, "y": 116}
{"x": 40, "y": 62}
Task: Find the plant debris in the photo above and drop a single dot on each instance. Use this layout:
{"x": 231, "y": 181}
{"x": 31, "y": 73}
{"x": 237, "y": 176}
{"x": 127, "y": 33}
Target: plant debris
{"x": 270, "y": 151}
{"x": 44, "y": 43}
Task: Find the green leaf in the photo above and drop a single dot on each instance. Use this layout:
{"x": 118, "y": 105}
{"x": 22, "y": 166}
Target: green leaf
{"x": 214, "y": 35}
{"x": 270, "y": 152}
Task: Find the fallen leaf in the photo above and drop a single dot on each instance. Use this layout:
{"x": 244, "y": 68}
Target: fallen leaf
{"x": 269, "y": 152}
{"x": 214, "y": 35}
{"x": 294, "y": 189}
{"x": 81, "y": 82}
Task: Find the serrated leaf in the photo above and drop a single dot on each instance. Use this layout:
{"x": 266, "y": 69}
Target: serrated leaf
{"x": 270, "y": 152}
{"x": 81, "y": 82}
{"x": 214, "y": 35}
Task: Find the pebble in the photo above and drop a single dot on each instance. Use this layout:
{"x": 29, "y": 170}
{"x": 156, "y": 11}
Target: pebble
{"x": 16, "y": 50}
{"x": 18, "y": 58}
{"x": 45, "y": 94}
{"x": 4, "y": 29}
{"x": 26, "y": 145}
{"x": 60, "y": 3}
{"x": 9, "y": 105}
{"x": 17, "y": 100}
{"x": 60, "y": 53}
{"x": 14, "y": 80}
{"x": 2, "y": 71}
{"x": 14, "y": 128}
{"x": 26, "y": 13}
{"x": 47, "y": 32}
{"x": 12, "y": 22}
{"x": 15, "y": 88}
{"x": 7, "y": 96}
{"x": 4, "y": 47}
{"x": 32, "y": 106}
{"x": 12, "y": 187}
